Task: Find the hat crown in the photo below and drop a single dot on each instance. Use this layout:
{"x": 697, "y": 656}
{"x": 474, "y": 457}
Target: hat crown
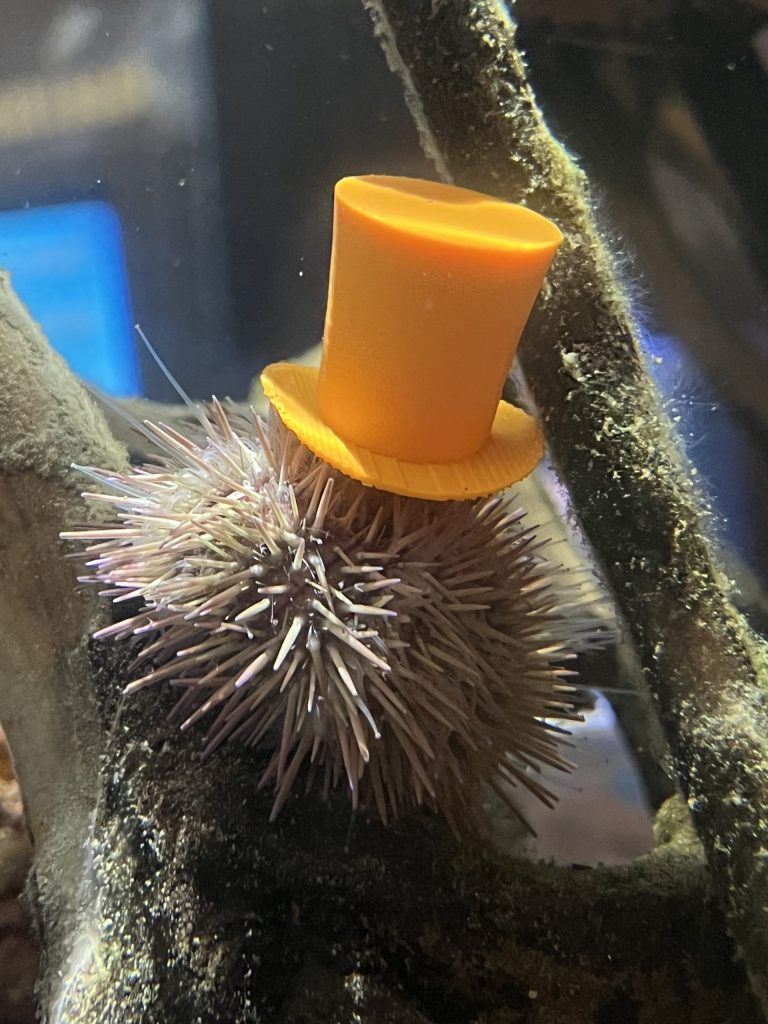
{"x": 430, "y": 288}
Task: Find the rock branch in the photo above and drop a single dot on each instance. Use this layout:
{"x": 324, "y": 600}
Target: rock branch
{"x": 161, "y": 892}
{"x": 466, "y": 85}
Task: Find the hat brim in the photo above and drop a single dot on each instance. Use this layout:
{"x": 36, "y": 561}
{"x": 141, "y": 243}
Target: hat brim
{"x": 513, "y": 449}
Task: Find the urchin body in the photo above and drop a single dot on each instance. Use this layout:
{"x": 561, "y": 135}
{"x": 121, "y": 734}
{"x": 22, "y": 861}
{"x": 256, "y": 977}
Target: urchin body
{"x": 412, "y": 651}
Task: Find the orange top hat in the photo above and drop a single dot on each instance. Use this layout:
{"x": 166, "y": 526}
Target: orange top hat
{"x": 430, "y": 288}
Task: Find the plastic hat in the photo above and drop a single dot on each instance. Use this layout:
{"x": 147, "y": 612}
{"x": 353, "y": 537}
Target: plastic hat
{"x": 430, "y": 288}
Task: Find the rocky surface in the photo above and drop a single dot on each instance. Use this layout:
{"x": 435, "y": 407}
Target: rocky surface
{"x": 18, "y": 952}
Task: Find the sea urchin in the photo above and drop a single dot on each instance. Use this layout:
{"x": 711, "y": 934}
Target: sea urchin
{"x": 412, "y": 649}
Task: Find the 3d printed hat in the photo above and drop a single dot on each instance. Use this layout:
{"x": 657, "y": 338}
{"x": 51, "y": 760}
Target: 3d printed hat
{"x": 430, "y": 288}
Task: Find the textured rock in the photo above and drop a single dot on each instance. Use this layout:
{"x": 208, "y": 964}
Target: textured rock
{"x": 18, "y": 951}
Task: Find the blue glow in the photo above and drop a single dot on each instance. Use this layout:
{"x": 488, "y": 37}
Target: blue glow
{"x": 67, "y": 265}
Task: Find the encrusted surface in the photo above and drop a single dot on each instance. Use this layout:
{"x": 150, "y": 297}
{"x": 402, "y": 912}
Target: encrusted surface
{"x": 615, "y": 448}
{"x": 18, "y": 952}
{"x": 206, "y": 912}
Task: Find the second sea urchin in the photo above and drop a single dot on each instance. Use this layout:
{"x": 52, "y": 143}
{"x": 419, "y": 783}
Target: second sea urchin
{"x": 411, "y": 650}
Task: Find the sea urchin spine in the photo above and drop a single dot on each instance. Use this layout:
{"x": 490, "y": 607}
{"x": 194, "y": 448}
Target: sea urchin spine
{"x": 415, "y": 649}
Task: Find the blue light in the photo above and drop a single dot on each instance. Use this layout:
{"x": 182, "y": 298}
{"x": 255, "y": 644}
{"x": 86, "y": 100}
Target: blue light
{"x": 67, "y": 265}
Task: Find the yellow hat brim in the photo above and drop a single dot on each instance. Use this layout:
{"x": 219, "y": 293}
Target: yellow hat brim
{"x": 513, "y": 449}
